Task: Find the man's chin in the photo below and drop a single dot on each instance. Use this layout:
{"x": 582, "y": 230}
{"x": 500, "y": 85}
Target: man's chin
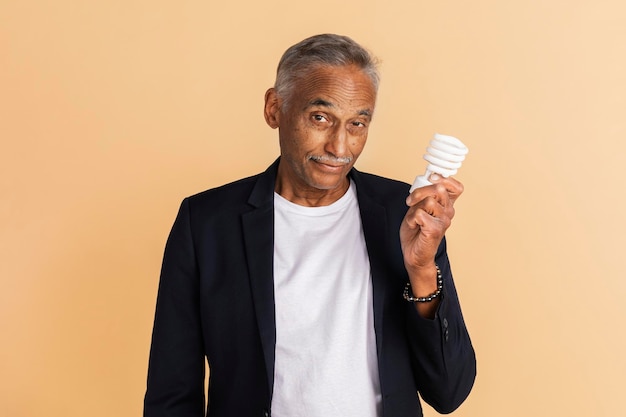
{"x": 330, "y": 183}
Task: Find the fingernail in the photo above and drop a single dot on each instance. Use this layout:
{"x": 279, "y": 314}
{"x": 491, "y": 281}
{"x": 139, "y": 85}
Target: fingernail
{"x": 408, "y": 200}
{"x": 434, "y": 177}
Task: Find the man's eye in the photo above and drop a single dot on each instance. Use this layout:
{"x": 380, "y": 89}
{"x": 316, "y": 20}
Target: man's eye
{"x": 358, "y": 124}
{"x": 319, "y": 118}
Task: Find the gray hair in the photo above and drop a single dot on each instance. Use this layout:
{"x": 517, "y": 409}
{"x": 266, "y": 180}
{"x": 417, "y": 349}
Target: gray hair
{"x": 321, "y": 50}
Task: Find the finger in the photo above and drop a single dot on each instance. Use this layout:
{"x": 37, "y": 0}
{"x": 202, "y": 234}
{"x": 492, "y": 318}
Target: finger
{"x": 441, "y": 205}
{"x": 441, "y": 188}
{"x": 425, "y": 195}
{"x": 422, "y": 193}
{"x": 428, "y": 210}
{"x": 434, "y": 205}
{"x": 426, "y": 225}
{"x": 453, "y": 187}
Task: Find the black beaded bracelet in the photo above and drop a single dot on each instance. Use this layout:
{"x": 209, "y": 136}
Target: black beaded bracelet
{"x": 431, "y": 297}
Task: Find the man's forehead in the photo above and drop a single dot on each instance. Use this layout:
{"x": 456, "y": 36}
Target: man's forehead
{"x": 321, "y": 102}
{"x": 331, "y": 74}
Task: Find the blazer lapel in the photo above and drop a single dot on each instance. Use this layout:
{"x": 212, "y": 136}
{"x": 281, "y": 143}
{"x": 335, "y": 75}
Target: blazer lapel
{"x": 258, "y": 229}
{"x": 373, "y": 218}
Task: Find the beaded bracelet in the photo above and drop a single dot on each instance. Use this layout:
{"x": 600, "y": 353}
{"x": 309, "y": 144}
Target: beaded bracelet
{"x": 431, "y": 297}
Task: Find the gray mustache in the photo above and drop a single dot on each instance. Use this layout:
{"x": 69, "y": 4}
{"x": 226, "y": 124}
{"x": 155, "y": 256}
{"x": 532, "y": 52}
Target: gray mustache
{"x": 331, "y": 159}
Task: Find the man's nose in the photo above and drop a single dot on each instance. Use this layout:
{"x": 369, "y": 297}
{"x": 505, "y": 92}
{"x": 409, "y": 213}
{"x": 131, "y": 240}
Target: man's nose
{"x": 337, "y": 143}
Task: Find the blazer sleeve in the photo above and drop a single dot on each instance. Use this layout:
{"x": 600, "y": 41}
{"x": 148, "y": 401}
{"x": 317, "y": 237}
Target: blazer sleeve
{"x": 175, "y": 383}
{"x": 442, "y": 354}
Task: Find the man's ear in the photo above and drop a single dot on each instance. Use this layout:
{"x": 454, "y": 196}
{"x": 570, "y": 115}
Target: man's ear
{"x": 272, "y": 108}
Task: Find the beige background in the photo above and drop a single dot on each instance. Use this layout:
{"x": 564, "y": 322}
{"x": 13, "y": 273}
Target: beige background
{"x": 112, "y": 111}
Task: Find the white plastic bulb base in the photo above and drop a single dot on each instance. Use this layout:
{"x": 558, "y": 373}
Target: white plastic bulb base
{"x": 420, "y": 181}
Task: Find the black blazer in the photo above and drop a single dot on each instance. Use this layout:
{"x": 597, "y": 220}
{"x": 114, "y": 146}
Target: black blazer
{"x": 216, "y": 298}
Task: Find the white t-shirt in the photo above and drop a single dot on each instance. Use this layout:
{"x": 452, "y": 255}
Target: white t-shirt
{"x": 326, "y": 363}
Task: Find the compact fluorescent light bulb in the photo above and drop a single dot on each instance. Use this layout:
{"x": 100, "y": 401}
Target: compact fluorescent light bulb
{"x": 444, "y": 156}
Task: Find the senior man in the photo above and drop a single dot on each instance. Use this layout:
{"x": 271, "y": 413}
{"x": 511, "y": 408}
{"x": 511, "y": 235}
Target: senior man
{"x": 290, "y": 283}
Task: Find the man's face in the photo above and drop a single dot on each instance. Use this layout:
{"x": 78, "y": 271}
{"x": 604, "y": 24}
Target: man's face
{"x": 322, "y": 130}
